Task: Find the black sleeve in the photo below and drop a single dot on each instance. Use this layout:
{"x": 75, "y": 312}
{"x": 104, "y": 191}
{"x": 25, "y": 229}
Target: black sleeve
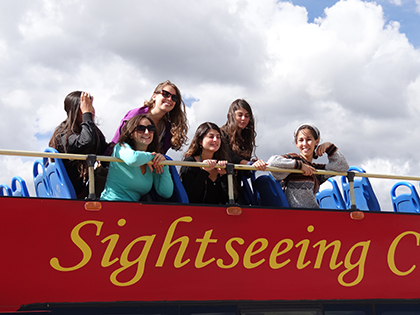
{"x": 194, "y": 181}
{"x": 86, "y": 140}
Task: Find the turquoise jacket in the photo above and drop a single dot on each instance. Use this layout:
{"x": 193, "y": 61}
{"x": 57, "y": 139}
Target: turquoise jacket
{"x": 126, "y": 182}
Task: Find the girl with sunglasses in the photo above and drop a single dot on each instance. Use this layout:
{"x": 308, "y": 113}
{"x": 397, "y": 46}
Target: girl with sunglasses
{"x": 167, "y": 109}
{"x": 239, "y": 133}
{"x": 78, "y": 134}
{"x": 132, "y": 179}
{"x": 206, "y": 184}
{"x": 301, "y": 188}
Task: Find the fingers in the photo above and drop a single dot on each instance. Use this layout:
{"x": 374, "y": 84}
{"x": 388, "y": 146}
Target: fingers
{"x": 221, "y": 171}
{"x": 86, "y": 103}
{"x": 210, "y": 163}
{"x": 307, "y": 170}
{"x": 156, "y": 160}
{"x": 260, "y": 165}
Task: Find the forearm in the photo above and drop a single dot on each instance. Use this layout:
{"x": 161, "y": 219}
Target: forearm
{"x": 163, "y": 183}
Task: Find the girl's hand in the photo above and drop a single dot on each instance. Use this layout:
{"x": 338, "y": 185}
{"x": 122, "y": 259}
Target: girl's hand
{"x": 211, "y": 164}
{"x": 307, "y": 170}
{"x": 156, "y": 160}
{"x": 260, "y": 165}
{"x": 86, "y": 101}
{"x": 221, "y": 171}
{"x": 322, "y": 147}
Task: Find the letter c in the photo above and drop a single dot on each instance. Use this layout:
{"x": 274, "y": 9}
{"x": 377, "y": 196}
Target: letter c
{"x": 391, "y": 253}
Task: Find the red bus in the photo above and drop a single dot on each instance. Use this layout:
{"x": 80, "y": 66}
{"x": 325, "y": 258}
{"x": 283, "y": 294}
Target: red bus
{"x": 63, "y": 256}
{"x": 129, "y": 258}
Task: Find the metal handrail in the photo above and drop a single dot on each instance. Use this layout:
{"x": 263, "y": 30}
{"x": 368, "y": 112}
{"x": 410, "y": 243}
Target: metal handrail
{"x": 349, "y": 175}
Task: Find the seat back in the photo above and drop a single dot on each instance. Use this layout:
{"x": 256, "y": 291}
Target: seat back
{"x": 20, "y": 190}
{"x": 363, "y": 191}
{"x": 270, "y": 192}
{"x": 331, "y": 198}
{"x": 5, "y": 190}
{"x": 61, "y": 186}
{"x": 41, "y": 183}
{"x": 406, "y": 202}
{"x": 179, "y": 195}
{"x": 249, "y": 195}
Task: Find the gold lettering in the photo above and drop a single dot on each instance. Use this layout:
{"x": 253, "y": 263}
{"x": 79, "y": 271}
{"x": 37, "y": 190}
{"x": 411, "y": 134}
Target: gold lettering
{"x": 391, "y": 253}
{"x": 199, "y": 263}
{"x": 113, "y": 239}
{"x": 349, "y": 266}
{"x": 300, "y": 263}
{"x": 141, "y": 260}
{"x": 231, "y": 252}
{"x": 249, "y": 253}
{"x": 81, "y": 244}
{"x": 334, "y": 255}
{"x": 275, "y": 253}
{"x": 167, "y": 244}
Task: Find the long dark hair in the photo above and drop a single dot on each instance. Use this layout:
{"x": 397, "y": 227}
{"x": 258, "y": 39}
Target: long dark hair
{"x": 195, "y": 148}
{"x": 177, "y": 117}
{"x": 242, "y": 144}
{"x": 72, "y": 125}
{"x": 128, "y": 129}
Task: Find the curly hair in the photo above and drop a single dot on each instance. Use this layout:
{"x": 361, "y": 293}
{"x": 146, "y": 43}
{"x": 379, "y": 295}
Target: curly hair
{"x": 129, "y": 128}
{"x": 195, "y": 148}
{"x": 177, "y": 117}
{"x": 242, "y": 144}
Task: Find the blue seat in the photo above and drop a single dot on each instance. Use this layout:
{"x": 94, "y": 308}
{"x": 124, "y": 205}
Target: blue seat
{"x": 331, "y": 198}
{"x": 60, "y": 184}
{"x": 406, "y": 202}
{"x": 22, "y": 189}
{"x": 179, "y": 195}
{"x": 41, "y": 183}
{"x": 270, "y": 192}
{"x": 5, "y": 189}
{"x": 249, "y": 196}
{"x": 363, "y": 191}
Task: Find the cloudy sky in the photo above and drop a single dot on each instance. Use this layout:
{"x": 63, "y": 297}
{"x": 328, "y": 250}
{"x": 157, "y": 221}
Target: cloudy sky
{"x": 351, "y": 67}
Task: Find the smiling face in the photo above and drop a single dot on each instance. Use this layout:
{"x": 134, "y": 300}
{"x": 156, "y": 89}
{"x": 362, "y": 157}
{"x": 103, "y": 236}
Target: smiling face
{"x": 143, "y": 138}
{"x": 162, "y": 103}
{"x": 211, "y": 141}
{"x": 306, "y": 143}
{"x": 241, "y": 118}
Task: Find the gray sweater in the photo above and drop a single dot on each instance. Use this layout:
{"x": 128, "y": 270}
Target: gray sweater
{"x": 300, "y": 190}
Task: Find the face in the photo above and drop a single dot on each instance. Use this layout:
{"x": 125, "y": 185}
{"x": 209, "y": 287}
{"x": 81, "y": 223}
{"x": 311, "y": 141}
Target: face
{"x": 241, "y": 118}
{"x": 144, "y": 137}
{"x": 211, "y": 141}
{"x": 163, "y": 103}
{"x": 306, "y": 143}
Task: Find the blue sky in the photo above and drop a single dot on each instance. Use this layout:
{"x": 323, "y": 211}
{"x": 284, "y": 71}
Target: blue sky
{"x": 405, "y": 13}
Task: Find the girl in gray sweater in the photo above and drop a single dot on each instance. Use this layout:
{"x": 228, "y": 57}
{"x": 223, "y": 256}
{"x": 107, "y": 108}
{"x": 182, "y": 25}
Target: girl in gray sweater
{"x": 301, "y": 188}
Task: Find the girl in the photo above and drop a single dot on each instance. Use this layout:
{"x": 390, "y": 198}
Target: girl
{"x": 206, "y": 184}
{"x": 300, "y": 189}
{"x": 130, "y": 180}
{"x": 239, "y": 133}
{"x": 167, "y": 110}
{"x": 78, "y": 134}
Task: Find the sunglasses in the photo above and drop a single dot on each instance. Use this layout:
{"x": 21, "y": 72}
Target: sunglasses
{"x": 142, "y": 128}
{"x": 166, "y": 94}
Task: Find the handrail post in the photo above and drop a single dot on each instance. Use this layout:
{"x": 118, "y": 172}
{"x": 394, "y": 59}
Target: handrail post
{"x": 91, "y": 160}
{"x": 230, "y": 168}
{"x": 350, "y": 177}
